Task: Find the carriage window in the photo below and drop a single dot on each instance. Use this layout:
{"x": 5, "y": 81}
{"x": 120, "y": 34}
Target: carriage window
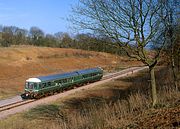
{"x": 49, "y": 83}
{"x": 69, "y": 79}
{"x": 43, "y": 85}
{"x": 56, "y": 83}
{"x": 86, "y": 75}
{"x": 40, "y": 86}
{"x": 64, "y": 80}
{"x": 60, "y": 81}
{"x": 53, "y": 83}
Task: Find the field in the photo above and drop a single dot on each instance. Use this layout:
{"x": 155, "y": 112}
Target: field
{"x": 18, "y": 63}
{"x": 122, "y": 103}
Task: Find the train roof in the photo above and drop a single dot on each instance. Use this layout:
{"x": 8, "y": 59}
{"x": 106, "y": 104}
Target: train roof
{"x": 33, "y": 80}
{"x": 64, "y": 75}
{"x": 57, "y": 76}
{"x": 89, "y": 70}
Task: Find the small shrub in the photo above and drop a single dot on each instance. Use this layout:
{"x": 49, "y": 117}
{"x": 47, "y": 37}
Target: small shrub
{"x": 46, "y": 112}
{"x": 28, "y": 58}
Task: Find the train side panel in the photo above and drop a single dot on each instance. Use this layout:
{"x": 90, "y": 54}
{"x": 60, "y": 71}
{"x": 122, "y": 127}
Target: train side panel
{"x": 66, "y": 81}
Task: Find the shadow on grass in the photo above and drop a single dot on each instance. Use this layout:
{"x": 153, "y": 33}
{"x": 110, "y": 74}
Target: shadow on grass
{"x": 122, "y": 102}
{"x": 139, "y": 83}
{"x": 113, "y": 94}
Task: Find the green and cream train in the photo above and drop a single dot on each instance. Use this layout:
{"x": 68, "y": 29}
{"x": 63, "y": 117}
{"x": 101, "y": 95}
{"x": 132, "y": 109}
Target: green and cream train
{"x": 47, "y": 85}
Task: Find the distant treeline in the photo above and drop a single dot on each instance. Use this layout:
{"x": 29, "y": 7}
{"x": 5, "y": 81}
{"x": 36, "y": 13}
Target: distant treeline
{"x": 12, "y": 35}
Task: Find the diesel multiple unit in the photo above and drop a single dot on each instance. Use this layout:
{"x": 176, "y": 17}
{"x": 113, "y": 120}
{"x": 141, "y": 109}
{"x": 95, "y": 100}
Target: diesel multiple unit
{"x": 48, "y": 85}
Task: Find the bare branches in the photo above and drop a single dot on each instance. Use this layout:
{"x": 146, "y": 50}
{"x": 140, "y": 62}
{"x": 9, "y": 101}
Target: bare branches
{"x": 133, "y": 24}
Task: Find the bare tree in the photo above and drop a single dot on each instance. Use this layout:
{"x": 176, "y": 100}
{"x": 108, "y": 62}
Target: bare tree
{"x": 172, "y": 25}
{"x": 7, "y": 36}
{"x": 133, "y": 24}
{"x": 36, "y": 35}
{"x": 36, "y": 32}
{"x": 20, "y": 36}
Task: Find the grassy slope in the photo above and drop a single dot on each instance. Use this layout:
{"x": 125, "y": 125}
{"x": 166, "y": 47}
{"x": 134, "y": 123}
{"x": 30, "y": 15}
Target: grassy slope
{"x": 123, "y": 103}
{"x": 21, "y": 62}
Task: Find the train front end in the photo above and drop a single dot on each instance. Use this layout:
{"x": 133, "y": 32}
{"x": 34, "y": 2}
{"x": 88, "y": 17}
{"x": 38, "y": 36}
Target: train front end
{"x": 31, "y": 88}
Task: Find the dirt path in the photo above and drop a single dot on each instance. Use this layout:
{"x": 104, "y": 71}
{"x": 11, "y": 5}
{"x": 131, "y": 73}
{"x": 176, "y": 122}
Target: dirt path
{"x": 49, "y": 99}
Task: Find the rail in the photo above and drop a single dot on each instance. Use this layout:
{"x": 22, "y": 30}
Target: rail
{"x": 106, "y": 77}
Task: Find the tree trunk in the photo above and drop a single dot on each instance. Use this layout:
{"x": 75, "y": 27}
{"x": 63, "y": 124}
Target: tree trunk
{"x": 173, "y": 65}
{"x": 153, "y": 85}
{"x": 178, "y": 60}
{"x": 178, "y": 69}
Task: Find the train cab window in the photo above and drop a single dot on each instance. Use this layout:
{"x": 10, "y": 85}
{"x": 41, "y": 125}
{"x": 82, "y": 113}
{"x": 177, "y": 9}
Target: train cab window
{"x": 27, "y": 85}
{"x": 31, "y": 85}
{"x": 35, "y": 86}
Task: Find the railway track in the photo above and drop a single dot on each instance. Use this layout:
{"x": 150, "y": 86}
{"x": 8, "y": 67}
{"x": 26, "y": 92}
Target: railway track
{"x": 125, "y": 72}
{"x": 131, "y": 70}
{"x": 15, "y": 104}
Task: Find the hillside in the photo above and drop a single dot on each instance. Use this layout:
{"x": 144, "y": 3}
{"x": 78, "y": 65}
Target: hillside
{"x": 124, "y": 103}
{"x": 21, "y": 62}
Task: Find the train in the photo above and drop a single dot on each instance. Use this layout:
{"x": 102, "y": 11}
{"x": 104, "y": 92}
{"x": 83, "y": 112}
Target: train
{"x": 38, "y": 87}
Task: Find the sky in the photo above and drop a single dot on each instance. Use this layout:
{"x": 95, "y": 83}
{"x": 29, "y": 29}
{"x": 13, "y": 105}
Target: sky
{"x": 48, "y": 15}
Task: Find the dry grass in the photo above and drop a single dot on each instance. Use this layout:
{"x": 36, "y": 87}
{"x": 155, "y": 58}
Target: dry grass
{"x": 109, "y": 106}
{"x": 18, "y": 63}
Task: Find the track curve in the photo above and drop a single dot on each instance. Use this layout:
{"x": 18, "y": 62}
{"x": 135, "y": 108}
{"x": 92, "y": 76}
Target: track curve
{"x": 23, "y": 105}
